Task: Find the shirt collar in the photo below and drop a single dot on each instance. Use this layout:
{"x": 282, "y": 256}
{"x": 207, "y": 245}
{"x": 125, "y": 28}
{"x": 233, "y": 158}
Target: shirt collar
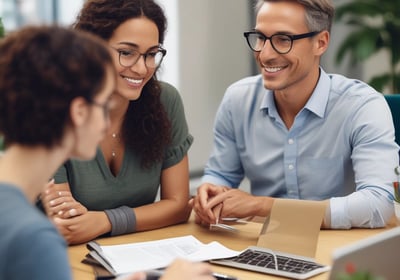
{"x": 316, "y": 104}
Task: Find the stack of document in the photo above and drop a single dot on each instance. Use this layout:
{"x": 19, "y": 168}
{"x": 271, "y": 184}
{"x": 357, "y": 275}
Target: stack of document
{"x": 132, "y": 257}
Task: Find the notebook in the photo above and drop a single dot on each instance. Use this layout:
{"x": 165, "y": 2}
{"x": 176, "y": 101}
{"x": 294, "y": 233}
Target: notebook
{"x": 378, "y": 255}
{"x": 287, "y": 243}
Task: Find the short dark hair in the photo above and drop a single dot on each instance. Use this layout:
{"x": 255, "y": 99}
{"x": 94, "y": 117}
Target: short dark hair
{"x": 42, "y": 69}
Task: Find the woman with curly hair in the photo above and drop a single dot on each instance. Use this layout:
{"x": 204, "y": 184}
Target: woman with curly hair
{"x": 47, "y": 114}
{"x": 146, "y": 147}
{"x": 56, "y": 108}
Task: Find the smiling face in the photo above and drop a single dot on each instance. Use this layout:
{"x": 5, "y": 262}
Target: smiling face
{"x": 139, "y": 34}
{"x": 299, "y": 68}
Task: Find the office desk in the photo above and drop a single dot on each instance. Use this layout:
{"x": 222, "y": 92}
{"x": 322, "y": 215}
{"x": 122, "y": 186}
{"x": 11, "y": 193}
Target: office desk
{"x": 328, "y": 241}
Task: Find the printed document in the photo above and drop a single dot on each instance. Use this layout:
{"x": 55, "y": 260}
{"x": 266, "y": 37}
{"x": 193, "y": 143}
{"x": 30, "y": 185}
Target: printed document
{"x": 127, "y": 258}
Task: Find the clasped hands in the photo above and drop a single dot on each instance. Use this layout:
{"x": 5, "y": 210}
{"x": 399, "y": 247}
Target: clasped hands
{"x": 71, "y": 218}
{"x": 59, "y": 202}
{"x": 213, "y": 203}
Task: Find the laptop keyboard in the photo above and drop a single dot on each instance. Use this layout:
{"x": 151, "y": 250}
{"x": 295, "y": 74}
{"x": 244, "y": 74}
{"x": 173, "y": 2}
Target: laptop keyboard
{"x": 267, "y": 260}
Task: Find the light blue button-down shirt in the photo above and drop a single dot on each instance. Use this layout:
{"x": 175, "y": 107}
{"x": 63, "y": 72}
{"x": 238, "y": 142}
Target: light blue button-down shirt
{"x": 340, "y": 147}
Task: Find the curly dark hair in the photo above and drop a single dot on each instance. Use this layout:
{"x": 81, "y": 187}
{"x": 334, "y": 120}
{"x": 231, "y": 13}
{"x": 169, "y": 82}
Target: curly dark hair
{"x": 146, "y": 128}
{"x": 42, "y": 69}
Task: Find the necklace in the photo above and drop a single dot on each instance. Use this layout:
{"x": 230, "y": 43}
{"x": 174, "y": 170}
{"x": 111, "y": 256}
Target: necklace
{"x": 115, "y": 137}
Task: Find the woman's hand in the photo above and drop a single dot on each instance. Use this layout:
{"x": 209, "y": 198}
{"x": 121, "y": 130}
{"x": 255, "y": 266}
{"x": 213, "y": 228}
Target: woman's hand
{"x": 58, "y": 201}
{"x": 84, "y": 227}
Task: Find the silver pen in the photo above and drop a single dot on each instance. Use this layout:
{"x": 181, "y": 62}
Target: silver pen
{"x": 220, "y": 276}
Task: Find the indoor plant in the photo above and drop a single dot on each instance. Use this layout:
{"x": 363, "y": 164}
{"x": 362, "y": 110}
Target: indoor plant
{"x": 353, "y": 274}
{"x": 396, "y": 187}
{"x": 376, "y": 27}
{"x": 1, "y": 28}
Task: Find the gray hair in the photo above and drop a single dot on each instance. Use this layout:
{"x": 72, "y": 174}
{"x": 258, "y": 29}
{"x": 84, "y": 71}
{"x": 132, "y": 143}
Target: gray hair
{"x": 319, "y": 13}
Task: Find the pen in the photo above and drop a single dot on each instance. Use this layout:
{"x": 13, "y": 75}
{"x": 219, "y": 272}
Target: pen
{"x": 154, "y": 274}
{"x": 220, "y": 276}
{"x": 217, "y": 212}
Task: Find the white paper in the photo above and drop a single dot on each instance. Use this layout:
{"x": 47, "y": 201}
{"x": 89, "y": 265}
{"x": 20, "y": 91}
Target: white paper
{"x": 141, "y": 256}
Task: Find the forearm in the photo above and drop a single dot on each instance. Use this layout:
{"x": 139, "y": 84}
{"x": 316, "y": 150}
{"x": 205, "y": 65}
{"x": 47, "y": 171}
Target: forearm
{"x": 161, "y": 213}
{"x": 365, "y": 208}
{"x": 83, "y": 228}
{"x": 100, "y": 226}
{"x": 173, "y": 207}
{"x": 262, "y": 206}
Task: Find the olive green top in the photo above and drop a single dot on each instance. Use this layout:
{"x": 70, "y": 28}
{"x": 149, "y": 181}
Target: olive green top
{"x": 93, "y": 184}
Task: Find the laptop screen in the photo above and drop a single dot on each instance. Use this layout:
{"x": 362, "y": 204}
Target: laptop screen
{"x": 378, "y": 255}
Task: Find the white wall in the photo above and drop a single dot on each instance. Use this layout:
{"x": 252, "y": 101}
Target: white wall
{"x": 68, "y": 10}
{"x": 207, "y": 54}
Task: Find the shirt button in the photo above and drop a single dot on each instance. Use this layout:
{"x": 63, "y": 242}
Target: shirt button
{"x": 290, "y": 141}
{"x": 291, "y": 166}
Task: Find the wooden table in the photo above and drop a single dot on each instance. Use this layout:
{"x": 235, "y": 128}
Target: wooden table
{"x": 327, "y": 242}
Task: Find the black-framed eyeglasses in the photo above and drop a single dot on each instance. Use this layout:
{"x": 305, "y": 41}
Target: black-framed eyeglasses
{"x": 129, "y": 57}
{"x": 105, "y": 106}
{"x": 281, "y": 43}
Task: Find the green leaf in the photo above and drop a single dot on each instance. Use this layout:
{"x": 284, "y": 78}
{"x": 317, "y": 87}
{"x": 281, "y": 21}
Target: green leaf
{"x": 1, "y": 29}
{"x": 375, "y": 26}
{"x": 360, "y": 45}
{"x": 369, "y": 8}
{"x": 379, "y": 82}
{"x": 396, "y": 83}
{"x": 386, "y": 79}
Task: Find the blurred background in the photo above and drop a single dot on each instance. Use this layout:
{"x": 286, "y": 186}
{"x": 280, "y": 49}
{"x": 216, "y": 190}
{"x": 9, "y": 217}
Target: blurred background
{"x": 206, "y": 53}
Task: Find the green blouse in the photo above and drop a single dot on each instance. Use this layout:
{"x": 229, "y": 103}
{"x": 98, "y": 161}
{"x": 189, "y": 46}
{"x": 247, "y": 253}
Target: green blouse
{"x": 93, "y": 184}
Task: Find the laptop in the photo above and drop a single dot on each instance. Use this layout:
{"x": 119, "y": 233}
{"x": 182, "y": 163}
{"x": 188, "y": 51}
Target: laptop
{"x": 378, "y": 255}
{"x": 287, "y": 243}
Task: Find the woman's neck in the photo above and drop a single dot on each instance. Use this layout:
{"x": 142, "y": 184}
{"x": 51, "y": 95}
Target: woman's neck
{"x": 119, "y": 106}
{"x": 29, "y": 168}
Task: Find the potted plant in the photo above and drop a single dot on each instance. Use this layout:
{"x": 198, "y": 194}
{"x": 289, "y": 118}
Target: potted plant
{"x": 1, "y": 29}
{"x": 353, "y": 274}
{"x": 396, "y": 190}
{"x": 376, "y": 28}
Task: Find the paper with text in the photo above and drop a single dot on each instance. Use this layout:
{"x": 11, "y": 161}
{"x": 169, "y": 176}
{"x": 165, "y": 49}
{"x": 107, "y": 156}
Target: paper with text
{"x": 126, "y": 258}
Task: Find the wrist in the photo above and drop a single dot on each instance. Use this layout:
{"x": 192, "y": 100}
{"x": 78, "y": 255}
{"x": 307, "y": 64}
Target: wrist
{"x": 122, "y": 220}
{"x": 264, "y": 206}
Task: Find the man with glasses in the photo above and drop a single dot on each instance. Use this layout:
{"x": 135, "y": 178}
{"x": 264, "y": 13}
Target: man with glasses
{"x": 297, "y": 132}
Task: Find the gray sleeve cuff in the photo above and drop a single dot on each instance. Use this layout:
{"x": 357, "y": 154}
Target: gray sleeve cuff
{"x": 122, "y": 219}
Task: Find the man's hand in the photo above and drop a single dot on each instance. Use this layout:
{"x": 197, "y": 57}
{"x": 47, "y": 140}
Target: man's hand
{"x": 214, "y": 202}
{"x": 205, "y": 214}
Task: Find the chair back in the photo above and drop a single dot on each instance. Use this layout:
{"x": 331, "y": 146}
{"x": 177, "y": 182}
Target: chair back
{"x": 394, "y": 103}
